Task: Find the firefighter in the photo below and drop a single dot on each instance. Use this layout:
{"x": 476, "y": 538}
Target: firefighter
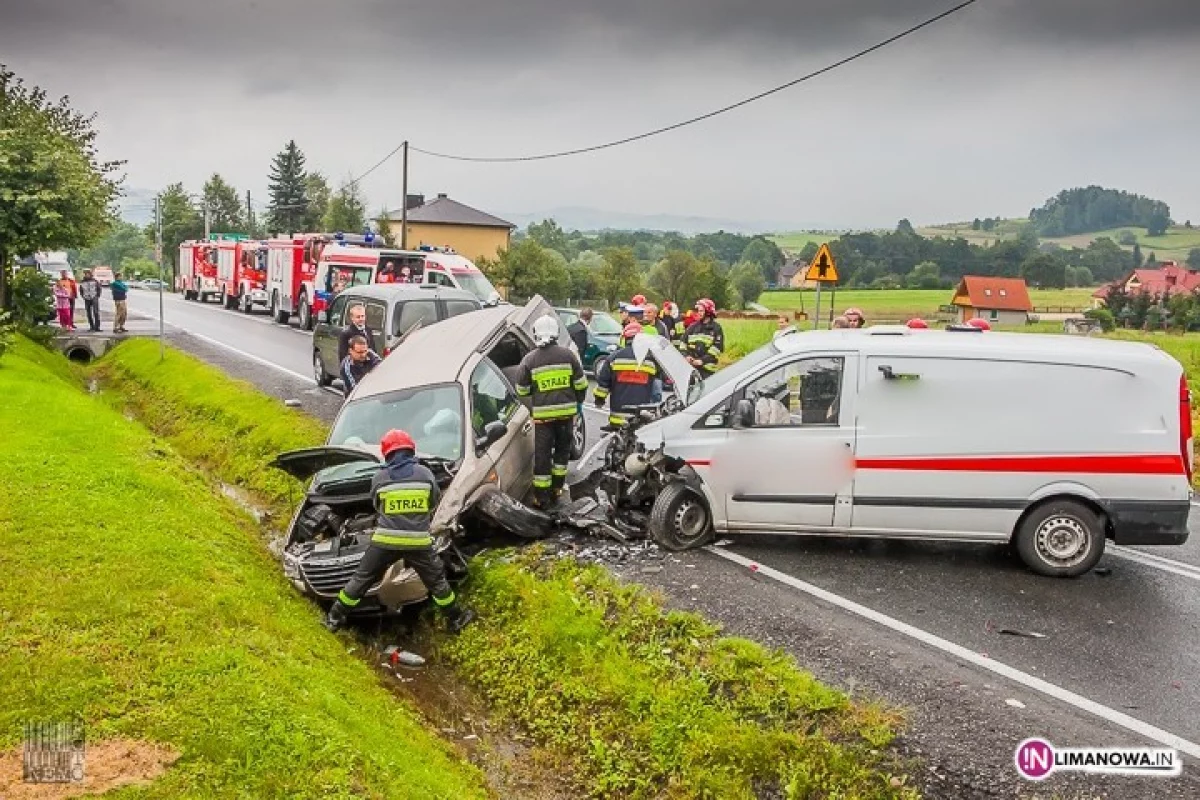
{"x": 624, "y": 382}
{"x": 405, "y": 496}
{"x": 705, "y": 340}
{"x": 670, "y": 318}
{"x": 552, "y": 377}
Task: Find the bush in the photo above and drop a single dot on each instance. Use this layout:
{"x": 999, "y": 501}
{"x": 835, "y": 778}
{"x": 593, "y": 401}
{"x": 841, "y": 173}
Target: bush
{"x": 1108, "y": 323}
{"x": 31, "y": 298}
{"x": 8, "y": 331}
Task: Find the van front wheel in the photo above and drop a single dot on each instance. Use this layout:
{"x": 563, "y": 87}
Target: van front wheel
{"x": 1061, "y": 539}
{"x": 679, "y": 519}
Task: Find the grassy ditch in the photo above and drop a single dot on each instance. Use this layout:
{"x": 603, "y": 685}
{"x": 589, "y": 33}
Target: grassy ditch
{"x": 631, "y": 700}
{"x": 135, "y": 598}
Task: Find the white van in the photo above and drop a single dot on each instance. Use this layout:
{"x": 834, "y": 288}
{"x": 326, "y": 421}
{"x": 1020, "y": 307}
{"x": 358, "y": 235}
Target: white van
{"x": 1053, "y": 443}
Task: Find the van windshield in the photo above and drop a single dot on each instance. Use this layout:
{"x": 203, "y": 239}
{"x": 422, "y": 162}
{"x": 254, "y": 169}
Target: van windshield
{"x": 475, "y": 283}
{"x": 734, "y": 371}
{"x": 349, "y": 276}
{"x": 432, "y": 415}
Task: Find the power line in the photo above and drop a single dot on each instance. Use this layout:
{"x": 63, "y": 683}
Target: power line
{"x": 693, "y": 120}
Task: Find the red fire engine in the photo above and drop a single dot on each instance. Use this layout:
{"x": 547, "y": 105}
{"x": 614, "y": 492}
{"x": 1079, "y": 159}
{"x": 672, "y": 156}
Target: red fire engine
{"x": 197, "y": 270}
{"x": 291, "y": 274}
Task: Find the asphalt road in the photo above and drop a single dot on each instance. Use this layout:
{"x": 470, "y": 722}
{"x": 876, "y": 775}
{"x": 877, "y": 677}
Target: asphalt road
{"x": 1117, "y": 662}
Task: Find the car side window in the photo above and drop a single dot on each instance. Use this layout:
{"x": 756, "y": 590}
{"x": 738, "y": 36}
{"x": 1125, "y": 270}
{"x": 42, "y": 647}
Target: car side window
{"x": 337, "y": 311}
{"x": 414, "y": 312}
{"x": 440, "y": 279}
{"x": 803, "y": 392}
{"x": 456, "y": 307}
{"x": 376, "y": 316}
{"x": 492, "y": 399}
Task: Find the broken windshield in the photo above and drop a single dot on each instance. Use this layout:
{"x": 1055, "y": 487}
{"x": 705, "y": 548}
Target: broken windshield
{"x": 432, "y": 415}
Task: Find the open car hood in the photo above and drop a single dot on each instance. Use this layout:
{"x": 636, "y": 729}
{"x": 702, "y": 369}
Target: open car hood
{"x": 305, "y": 463}
{"x": 682, "y": 374}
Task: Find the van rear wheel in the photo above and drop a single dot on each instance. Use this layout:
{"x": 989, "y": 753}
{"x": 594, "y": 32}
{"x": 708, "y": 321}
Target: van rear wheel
{"x": 1061, "y": 539}
{"x": 680, "y": 519}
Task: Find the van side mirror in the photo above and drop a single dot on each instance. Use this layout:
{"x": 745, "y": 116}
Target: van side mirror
{"x": 743, "y": 414}
{"x": 492, "y": 433}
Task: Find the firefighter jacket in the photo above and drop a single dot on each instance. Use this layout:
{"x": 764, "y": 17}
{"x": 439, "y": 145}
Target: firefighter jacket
{"x": 553, "y": 379}
{"x": 625, "y": 383}
{"x": 658, "y": 329}
{"x": 406, "y": 496}
{"x": 705, "y": 341}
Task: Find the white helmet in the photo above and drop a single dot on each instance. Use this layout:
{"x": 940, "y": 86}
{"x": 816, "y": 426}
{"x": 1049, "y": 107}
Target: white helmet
{"x": 545, "y": 331}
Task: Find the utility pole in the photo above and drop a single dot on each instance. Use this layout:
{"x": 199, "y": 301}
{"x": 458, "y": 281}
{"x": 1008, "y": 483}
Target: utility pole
{"x": 206, "y": 221}
{"x": 249, "y": 215}
{"x": 404, "y": 202}
{"x": 158, "y": 252}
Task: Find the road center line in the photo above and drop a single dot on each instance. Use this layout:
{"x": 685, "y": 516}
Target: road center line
{"x": 1157, "y": 562}
{"x": 958, "y": 651}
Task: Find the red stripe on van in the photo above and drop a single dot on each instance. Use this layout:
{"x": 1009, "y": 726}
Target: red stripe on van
{"x": 699, "y": 462}
{"x": 1100, "y": 465}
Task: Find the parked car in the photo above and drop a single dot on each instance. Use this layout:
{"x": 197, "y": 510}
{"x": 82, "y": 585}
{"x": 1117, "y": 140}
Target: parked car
{"x": 603, "y": 334}
{"x": 103, "y": 275}
{"x": 392, "y": 311}
{"x": 150, "y": 284}
{"x": 451, "y": 387}
{"x": 1052, "y": 444}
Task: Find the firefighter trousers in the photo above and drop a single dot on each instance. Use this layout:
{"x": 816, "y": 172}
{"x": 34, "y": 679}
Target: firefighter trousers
{"x": 551, "y": 455}
{"x": 375, "y": 562}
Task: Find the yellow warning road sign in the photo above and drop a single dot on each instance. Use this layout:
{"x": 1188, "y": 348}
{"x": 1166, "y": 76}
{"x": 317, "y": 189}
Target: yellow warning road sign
{"x": 823, "y": 268}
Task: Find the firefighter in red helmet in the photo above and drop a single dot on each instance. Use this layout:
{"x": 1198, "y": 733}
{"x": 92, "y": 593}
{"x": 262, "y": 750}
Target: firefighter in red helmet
{"x": 704, "y": 341}
{"x": 405, "y": 496}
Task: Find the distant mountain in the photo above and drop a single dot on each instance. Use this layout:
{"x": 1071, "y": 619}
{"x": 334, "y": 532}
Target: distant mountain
{"x": 593, "y": 219}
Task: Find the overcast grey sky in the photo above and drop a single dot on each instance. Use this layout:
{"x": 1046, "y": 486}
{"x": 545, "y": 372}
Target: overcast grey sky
{"x": 987, "y": 113}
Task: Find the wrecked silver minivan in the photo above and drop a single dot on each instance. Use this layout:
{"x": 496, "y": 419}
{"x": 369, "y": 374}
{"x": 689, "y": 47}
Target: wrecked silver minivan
{"x": 449, "y": 385}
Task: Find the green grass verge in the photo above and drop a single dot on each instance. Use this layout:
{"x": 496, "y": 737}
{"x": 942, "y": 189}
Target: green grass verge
{"x": 577, "y": 659}
{"x": 134, "y": 597}
{"x": 224, "y": 425}
{"x": 644, "y": 702}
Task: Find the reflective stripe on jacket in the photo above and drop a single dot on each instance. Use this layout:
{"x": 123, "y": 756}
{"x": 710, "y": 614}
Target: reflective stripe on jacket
{"x": 553, "y": 379}
{"x": 405, "y": 495}
{"x": 626, "y": 383}
{"x": 705, "y": 341}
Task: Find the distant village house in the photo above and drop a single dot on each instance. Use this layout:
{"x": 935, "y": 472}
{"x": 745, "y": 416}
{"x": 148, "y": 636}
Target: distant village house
{"x": 1000, "y": 301}
{"x": 1163, "y": 281}
{"x": 443, "y": 222}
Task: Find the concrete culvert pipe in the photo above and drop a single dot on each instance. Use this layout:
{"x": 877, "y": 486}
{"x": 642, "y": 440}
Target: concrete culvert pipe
{"x": 80, "y": 355}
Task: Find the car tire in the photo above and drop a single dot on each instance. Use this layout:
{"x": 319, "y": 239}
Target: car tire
{"x": 501, "y": 510}
{"x": 578, "y": 437}
{"x": 277, "y": 313}
{"x": 305, "y": 314}
{"x": 246, "y": 304}
{"x": 680, "y": 519}
{"x": 229, "y": 301}
{"x": 322, "y": 377}
{"x": 1061, "y": 539}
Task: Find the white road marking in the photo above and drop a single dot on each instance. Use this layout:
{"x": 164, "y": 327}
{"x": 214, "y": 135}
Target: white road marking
{"x": 1145, "y": 729}
{"x": 1157, "y": 562}
{"x": 252, "y": 357}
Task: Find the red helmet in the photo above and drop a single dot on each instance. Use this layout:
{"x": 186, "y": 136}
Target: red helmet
{"x": 631, "y": 330}
{"x": 978, "y": 322}
{"x": 706, "y": 307}
{"x": 396, "y": 440}
{"x": 638, "y": 300}
{"x": 917, "y": 323}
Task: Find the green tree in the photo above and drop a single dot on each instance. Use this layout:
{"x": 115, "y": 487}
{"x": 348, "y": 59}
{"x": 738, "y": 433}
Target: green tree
{"x": 1158, "y": 223}
{"x": 924, "y": 276}
{"x": 1084, "y": 277}
{"x": 383, "y": 226}
{"x": 289, "y": 210}
{"x": 346, "y": 212}
{"x": 1045, "y": 270}
{"x": 976, "y": 224}
{"x": 124, "y": 240}
{"x": 808, "y": 253}
{"x": 1137, "y": 256}
{"x": 319, "y": 195}
{"x": 766, "y": 255}
{"x": 1106, "y": 260}
{"x": 225, "y": 212}
{"x": 1193, "y": 259}
{"x": 527, "y": 269}
{"x": 905, "y": 228}
{"x": 548, "y": 234}
{"x": 677, "y": 278}
{"x": 747, "y": 280}
{"x": 620, "y": 277}
{"x": 180, "y": 222}
{"x": 1127, "y": 238}
{"x": 55, "y": 192}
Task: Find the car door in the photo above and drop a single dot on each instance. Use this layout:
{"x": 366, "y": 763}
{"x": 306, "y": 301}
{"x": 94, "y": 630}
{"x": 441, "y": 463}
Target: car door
{"x": 377, "y": 323}
{"x": 409, "y": 315}
{"x": 534, "y": 310}
{"x": 327, "y": 332}
{"x": 792, "y": 467}
{"x": 493, "y": 399}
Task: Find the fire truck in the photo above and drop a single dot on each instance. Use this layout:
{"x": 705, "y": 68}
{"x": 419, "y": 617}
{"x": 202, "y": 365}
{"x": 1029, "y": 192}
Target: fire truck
{"x": 342, "y": 266}
{"x": 249, "y": 285}
{"x": 292, "y": 263}
{"x": 197, "y": 277}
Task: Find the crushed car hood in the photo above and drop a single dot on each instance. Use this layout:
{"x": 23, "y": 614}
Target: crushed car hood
{"x": 305, "y": 463}
{"x": 682, "y": 374}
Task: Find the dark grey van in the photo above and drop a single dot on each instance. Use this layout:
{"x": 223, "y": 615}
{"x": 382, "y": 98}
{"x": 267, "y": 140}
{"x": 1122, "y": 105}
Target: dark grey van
{"x": 392, "y": 311}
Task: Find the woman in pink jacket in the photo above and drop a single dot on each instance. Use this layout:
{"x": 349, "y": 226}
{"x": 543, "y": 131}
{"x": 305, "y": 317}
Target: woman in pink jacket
{"x": 62, "y": 304}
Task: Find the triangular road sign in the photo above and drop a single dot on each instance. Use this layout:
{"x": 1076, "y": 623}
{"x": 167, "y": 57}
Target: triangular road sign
{"x": 823, "y": 268}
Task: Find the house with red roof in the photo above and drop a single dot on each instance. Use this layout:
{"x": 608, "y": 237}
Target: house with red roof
{"x": 1000, "y": 301}
{"x": 1163, "y": 281}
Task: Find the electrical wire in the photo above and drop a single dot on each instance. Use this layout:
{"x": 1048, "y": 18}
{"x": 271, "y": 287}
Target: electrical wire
{"x": 702, "y": 117}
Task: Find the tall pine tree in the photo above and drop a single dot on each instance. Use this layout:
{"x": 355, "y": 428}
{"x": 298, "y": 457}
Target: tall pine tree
{"x": 288, "y": 209}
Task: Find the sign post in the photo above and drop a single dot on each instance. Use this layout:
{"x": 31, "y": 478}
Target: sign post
{"x": 823, "y": 269}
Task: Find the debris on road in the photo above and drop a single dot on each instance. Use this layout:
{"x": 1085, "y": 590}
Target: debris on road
{"x": 291, "y": 402}
{"x": 1026, "y": 634}
{"x": 393, "y": 656}
{"x": 1014, "y": 703}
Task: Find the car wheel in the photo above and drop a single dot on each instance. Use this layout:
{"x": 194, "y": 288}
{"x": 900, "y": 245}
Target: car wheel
{"x": 319, "y": 374}
{"x": 1061, "y": 539}
{"x": 305, "y": 314}
{"x": 680, "y": 519}
{"x": 229, "y": 301}
{"x": 278, "y": 313}
{"x": 246, "y": 303}
{"x": 578, "y": 437}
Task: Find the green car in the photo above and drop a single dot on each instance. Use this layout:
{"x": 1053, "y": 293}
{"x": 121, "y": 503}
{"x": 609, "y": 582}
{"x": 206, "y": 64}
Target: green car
{"x": 603, "y": 334}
